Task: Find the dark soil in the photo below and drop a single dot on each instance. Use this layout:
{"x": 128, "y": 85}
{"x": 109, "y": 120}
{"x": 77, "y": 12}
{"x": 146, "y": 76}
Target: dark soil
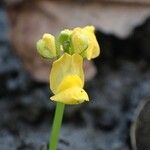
{"x": 123, "y": 80}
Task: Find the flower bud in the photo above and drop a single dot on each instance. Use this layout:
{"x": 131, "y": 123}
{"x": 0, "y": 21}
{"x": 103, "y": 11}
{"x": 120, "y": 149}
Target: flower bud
{"x": 46, "y": 46}
{"x": 64, "y": 39}
{"x": 64, "y": 35}
{"x": 79, "y": 41}
{"x": 83, "y": 41}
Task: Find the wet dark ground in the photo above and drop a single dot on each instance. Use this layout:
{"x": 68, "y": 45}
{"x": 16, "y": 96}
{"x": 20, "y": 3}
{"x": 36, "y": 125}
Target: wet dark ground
{"x": 123, "y": 80}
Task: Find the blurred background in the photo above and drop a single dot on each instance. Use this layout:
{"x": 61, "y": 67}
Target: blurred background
{"x": 118, "y": 82}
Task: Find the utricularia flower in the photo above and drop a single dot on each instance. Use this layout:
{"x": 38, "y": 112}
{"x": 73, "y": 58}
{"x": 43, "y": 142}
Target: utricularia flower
{"x": 69, "y": 49}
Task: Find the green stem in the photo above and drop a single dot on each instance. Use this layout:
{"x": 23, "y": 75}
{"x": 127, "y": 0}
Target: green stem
{"x": 56, "y": 126}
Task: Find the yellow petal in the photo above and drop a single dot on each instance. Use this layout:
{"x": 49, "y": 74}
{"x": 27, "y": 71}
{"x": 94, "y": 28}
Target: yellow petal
{"x": 89, "y": 29}
{"x": 74, "y": 95}
{"x": 70, "y": 81}
{"x": 64, "y": 66}
{"x": 93, "y": 49}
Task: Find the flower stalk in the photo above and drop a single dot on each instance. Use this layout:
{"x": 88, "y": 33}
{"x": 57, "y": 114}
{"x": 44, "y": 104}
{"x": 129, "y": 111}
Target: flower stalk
{"x": 59, "y": 111}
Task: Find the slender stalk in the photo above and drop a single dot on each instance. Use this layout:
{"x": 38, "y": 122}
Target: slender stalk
{"x": 56, "y": 126}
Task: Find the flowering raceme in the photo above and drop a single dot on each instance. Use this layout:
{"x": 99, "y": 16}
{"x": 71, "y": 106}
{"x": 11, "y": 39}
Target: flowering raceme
{"x": 70, "y": 48}
{"x": 67, "y": 76}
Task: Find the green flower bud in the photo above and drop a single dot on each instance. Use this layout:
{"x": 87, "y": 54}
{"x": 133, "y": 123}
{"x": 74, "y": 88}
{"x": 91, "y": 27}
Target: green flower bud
{"x": 46, "y": 46}
{"x": 64, "y": 40}
{"x": 64, "y": 35}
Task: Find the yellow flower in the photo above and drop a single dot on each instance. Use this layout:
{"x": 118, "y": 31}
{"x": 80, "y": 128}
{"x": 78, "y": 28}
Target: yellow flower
{"x": 46, "y": 46}
{"x": 67, "y": 80}
{"x": 82, "y": 37}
